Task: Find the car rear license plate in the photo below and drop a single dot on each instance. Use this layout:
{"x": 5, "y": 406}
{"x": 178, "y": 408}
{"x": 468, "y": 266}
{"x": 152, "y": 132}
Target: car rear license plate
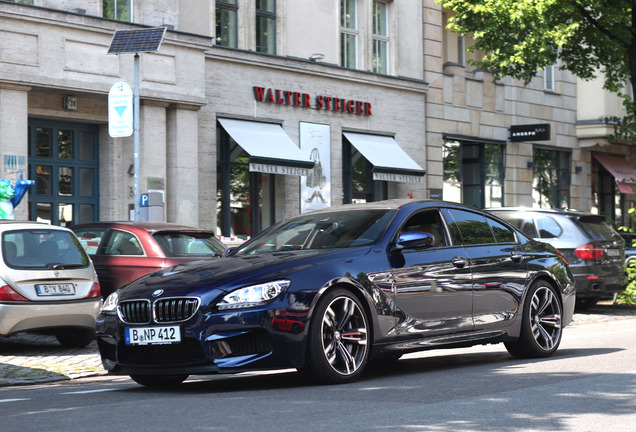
{"x": 55, "y": 289}
{"x": 613, "y": 252}
{"x": 153, "y": 335}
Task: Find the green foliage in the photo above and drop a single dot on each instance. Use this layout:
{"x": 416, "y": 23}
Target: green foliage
{"x": 520, "y": 37}
{"x": 629, "y": 295}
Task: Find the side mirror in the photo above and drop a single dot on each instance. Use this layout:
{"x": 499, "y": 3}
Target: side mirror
{"x": 415, "y": 240}
{"x": 228, "y": 251}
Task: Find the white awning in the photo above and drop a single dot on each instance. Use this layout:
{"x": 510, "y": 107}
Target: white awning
{"x": 269, "y": 147}
{"x": 390, "y": 162}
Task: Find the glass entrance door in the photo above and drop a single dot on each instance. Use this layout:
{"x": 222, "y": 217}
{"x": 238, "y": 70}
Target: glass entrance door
{"x": 63, "y": 162}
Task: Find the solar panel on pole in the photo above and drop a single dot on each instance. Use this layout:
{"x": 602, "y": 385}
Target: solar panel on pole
{"x": 134, "y": 42}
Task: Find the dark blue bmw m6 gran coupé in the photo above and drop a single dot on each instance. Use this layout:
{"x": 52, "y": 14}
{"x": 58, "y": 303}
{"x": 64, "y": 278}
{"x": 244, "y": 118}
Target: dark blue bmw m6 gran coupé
{"x": 328, "y": 291}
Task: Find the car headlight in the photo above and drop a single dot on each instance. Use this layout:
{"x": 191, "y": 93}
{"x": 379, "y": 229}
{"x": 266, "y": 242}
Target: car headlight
{"x": 253, "y": 295}
{"x": 110, "y": 304}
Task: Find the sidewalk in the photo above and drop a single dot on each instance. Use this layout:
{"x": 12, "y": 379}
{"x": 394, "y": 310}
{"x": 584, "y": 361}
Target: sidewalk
{"x": 32, "y": 359}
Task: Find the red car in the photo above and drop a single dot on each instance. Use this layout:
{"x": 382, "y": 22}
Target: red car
{"x": 125, "y": 251}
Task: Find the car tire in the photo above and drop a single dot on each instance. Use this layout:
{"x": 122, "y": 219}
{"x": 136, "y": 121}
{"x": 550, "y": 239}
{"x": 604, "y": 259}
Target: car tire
{"x": 586, "y": 302}
{"x": 75, "y": 338}
{"x": 338, "y": 339}
{"x": 159, "y": 380}
{"x": 542, "y": 325}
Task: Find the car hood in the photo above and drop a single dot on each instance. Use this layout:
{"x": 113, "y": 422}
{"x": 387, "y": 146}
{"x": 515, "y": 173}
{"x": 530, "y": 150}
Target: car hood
{"x": 204, "y": 278}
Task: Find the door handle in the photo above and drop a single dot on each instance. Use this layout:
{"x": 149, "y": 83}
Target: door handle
{"x": 516, "y": 257}
{"x": 459, "y": 262}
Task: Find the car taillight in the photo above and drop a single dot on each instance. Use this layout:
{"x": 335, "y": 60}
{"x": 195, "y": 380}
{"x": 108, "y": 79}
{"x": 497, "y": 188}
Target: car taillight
{"x": 588, "y": 251}
{"x": 9, "y": 294}
{"x": 95, "y": 291}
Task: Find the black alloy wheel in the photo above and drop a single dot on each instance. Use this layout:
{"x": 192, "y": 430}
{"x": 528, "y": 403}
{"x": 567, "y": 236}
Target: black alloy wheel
{"x": 542, "y": 325}
{"x": 338, "y": 344}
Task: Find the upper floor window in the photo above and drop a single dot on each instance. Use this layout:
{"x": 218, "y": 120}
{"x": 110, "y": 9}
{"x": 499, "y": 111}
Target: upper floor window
{"x": 548, "y": 78}
{"x": 461, "y": 50}
{"x": 226, "y": 23}
{"x": 380, "y": 38}
{"x": 348, "y": 34}
{"x": 266, "y": 26}
{"x": 118, "y": 9}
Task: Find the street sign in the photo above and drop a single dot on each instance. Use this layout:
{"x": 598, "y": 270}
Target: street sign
{"x": 120, "y": 110}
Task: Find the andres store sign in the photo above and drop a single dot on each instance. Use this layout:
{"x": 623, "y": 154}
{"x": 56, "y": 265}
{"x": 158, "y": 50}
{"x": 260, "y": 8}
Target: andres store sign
{"x": 304, "y": 100}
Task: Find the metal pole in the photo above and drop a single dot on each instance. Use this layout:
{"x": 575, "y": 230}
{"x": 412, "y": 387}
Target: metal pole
{"x": 136, "y": 135}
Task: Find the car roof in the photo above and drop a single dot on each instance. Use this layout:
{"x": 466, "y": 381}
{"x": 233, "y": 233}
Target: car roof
{"x": 394, "y": 204}
{"x": 567, "y": 212}
{"x": 22, "y": 224}
{"x": 144, "y": 225}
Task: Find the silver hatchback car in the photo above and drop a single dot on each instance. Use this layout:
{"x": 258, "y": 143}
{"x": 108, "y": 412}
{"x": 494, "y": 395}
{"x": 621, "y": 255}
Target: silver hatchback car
{"x": 47, "y": 283}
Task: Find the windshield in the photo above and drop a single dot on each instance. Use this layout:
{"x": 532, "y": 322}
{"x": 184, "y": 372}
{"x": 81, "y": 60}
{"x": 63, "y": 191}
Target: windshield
{"x": 340, "y": 229}
{"x": 42, "y": 249}
{"x": 189, "y": 244}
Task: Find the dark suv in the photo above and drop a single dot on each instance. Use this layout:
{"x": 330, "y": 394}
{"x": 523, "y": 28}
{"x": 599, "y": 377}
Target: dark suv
{"x": 594, "y": 250}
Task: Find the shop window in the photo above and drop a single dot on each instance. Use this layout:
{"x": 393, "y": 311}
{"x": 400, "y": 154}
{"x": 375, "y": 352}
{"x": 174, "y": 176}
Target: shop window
{"x": 607, "y": 198}
{"x": 245, "y": 199}
{"x": 380, "y": 38}
{"x": 359, "y": 186}
{"x": 551, "y": 184}
{"x": 118, "y": 9}
{"x": 348, "y": 34}
{"x": 63, "y": 163}
{"x": 266, "y": 26}
{"x": 227, "y": 23}
{"x": 473, "y": 173}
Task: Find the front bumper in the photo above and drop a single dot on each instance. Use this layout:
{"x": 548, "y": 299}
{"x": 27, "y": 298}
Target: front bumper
{"x": 210, "y": 343}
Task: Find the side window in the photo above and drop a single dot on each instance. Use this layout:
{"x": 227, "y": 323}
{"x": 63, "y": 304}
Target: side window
{"x": 122, "y": 243}
{"x": 428, "y": 222}
{"x": 502, "y": 233}
{"x": 90, "y": 239}
{"x": 468, "y": 228}
{"x": 548, "y": 227}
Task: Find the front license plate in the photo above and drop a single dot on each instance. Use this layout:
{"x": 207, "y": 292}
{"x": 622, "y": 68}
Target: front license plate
{"x": 55, "y": 289}
{"x": 153, "y": 335}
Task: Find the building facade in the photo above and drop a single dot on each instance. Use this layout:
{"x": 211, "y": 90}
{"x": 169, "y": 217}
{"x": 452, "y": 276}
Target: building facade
{"x": 253, "y": 111}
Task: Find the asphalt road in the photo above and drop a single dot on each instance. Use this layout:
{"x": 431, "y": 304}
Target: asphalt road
{"x": 590, "y": 385}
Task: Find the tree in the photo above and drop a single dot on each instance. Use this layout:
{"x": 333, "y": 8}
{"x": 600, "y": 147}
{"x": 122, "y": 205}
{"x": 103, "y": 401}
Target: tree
{"x": 520, "y": 37}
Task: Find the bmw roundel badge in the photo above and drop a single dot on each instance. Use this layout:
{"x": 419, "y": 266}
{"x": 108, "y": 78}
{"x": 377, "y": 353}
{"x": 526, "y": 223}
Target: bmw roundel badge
{"x": 157, "y": 293}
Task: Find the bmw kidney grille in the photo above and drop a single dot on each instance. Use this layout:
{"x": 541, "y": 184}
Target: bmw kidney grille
{"x": 166, "y": 310}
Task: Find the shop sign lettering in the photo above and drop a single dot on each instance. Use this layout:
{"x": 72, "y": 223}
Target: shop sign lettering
{"x": 305, "y": 100}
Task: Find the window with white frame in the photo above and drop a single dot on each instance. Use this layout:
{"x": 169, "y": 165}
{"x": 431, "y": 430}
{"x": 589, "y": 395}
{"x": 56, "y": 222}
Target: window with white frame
{"x": 266, "y": 26}
{"x": 227, "y": 23}
{"x": 121, "y": 10}
{"x": 380, "y": 38}
{"x": 548, "y": 78}
{"x": 348, "y": 34}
